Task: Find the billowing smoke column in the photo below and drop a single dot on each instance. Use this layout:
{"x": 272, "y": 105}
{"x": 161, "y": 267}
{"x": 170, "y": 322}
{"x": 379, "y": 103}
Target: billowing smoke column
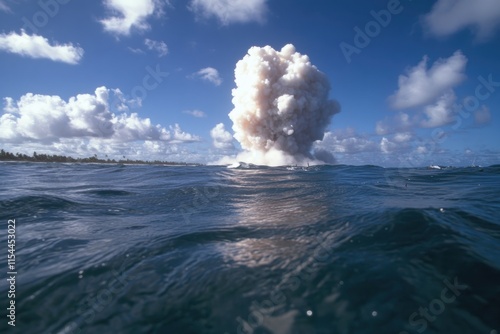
{"x": 281, "y": 107}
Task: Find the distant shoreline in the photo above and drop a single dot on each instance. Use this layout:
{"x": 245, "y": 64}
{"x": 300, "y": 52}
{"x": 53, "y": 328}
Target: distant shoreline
{"x": 45, "y": 158}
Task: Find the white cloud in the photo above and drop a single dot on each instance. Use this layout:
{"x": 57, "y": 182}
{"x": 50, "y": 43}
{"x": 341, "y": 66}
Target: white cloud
{"x": 352, "y": 147}
{"x": 222, "y": 139}
{"x": 34, "y": 46}
{"x": 441, "y": 113}
{"x": 450, "y": 16}
{"x": 209, "y": 74}
{"x": 403, "y": 137}
{"x": 386, "y": 146}
{"x": 231, "y": 11}
{"x": 128, "y": 15}
{"x": 421, "y": 86}
{"x": 4, "y": 7}
{"x": 195, "y": 113}
{"x": 482, "y": 116}
{"x": 400, "y": 123}
{"x": 178, "y": 136}
{"x": 136, "y": 50}
{"x": 398, "y": 149}
{"x": 48, "y": 119}
{"x": 421, "y": 150}
{"x": 158, "y": 46}
{"x": 346, "y": 141}
{"x": 9, "y": 105}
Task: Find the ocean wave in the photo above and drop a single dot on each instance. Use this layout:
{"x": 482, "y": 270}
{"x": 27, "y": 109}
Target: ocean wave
{"x": 146, "y": 249}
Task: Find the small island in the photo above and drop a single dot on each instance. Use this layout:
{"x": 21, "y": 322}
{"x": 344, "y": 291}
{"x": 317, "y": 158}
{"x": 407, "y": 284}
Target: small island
{"x": 19, "y": 157}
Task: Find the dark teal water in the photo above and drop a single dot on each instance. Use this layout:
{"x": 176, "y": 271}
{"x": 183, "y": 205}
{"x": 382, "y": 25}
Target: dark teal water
{"x": 157, "y": 249}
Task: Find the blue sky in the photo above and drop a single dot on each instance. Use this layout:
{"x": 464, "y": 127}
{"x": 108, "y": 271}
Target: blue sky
{"x": 152, "y": 79}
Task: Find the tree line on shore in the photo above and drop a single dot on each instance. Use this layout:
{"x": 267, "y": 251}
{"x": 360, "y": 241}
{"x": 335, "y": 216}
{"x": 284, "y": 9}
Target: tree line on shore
{"x": 8, "y": 156}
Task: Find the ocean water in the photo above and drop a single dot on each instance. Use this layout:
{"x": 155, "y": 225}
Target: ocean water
{"x": 330, "y": 249}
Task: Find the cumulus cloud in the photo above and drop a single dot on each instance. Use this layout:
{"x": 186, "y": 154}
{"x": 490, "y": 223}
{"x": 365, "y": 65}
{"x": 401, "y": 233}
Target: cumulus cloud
{"x": 34, "y": 46}
{"x": 347, "y": 142}
{"x": 195, "y": 113}
{"x": 421, "y": 86}
{"x": 178, "y": 136}
{"x": 209, "y": 74}
{"x": 48, "y": 119}
{"x": 350, "y": 147}
{"x": 402, "y": 122}
{"x": 441, "y": 113}
{"x": 450, "y": 16}
{"x": 428, "y": 89}
{"x": 386, "y": 146}
{"x": 281, "y": 106}
{"x": 157, "y": 46}
{"x": 403, "y": 137}
{"x": 127, "y": 15}
{"x": 221, "y": 138}
{"x": 231, "y": 11}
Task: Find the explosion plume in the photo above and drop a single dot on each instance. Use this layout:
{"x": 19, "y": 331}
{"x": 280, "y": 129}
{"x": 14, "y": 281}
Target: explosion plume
{"x": 281, "y": 107}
